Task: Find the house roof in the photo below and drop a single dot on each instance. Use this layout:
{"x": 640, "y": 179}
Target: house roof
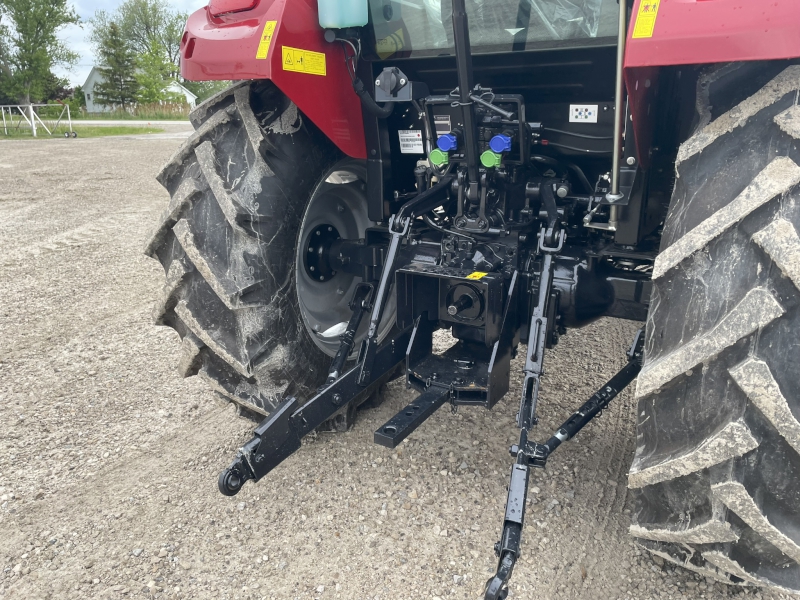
{"x": 176, "y": 86}
{"x": 92, "y": 73}
{"x": 182, "y": 89}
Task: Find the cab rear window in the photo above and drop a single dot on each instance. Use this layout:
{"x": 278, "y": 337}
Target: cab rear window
{"x": 423, "y": 27}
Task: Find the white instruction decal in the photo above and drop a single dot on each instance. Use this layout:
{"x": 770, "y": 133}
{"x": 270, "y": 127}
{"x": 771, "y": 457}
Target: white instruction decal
{"x": 583, "y": 113}
{"x": 411, "y": 141}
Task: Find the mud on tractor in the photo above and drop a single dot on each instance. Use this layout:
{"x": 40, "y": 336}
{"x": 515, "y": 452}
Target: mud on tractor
{"x": 506, "y": 170}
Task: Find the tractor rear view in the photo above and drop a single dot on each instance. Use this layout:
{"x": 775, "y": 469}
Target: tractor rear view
{"x": 507, "y": 171}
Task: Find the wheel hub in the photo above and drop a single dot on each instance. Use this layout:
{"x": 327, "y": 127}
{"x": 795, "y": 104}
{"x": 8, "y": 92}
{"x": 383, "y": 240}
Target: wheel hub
{"x": 317, "y": 257}
{"x": 336, "y": 210}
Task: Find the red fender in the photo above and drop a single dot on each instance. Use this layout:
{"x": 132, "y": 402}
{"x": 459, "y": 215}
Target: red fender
{"x": 662, "y": 32}
{"x": 680, "y": 32}
{"x": 256, "y": 45}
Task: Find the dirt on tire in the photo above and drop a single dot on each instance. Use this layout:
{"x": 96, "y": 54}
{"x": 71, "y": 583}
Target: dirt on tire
{"x": 228, "y": 239}
{"x": 717, "y": 467}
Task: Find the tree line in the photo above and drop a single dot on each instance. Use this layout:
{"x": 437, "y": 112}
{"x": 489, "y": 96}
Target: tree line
{"x": 137, "y": 51}
{"x": 30, "y": 49}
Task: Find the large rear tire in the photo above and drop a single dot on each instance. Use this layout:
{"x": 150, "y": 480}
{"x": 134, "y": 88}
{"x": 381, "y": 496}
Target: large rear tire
{"x": 716, "y": 476}
{"x": 242, "y": 188}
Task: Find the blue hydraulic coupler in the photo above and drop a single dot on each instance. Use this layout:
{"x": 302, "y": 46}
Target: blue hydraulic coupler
{"x": 447, "y": 142}
{"x": 500, "y": 143}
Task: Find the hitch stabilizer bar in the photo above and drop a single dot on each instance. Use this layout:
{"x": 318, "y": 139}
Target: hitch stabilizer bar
{"x": 530, "y": 454}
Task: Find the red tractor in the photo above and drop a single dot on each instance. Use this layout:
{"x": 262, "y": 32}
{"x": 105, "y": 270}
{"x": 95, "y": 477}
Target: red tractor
{"x": 507, "y": 170}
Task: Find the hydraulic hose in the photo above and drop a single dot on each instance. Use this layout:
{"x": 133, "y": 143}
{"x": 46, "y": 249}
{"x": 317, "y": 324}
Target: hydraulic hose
{"x": 369, "y": 104}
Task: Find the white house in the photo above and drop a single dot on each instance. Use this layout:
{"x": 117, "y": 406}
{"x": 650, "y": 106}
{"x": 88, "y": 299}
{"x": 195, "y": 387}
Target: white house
{"x": 177, "y": 88}
{"x": 96, "y": 77}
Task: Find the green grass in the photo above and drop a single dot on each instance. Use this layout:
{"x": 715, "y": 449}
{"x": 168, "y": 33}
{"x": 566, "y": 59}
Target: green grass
{"x": 130, "y": 117}
{"x": 83, "y": 132}
{"x": 142, "y": 112}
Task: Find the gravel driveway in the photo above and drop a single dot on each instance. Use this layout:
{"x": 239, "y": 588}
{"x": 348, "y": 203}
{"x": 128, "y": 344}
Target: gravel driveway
{"x": 108, "y": 460}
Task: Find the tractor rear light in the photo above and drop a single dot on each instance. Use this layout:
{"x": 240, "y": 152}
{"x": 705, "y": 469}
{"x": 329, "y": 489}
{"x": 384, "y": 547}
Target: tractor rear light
{"x": 217, "y": 8}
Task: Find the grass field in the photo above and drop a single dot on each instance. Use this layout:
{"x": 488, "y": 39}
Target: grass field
{"x": 142, "y": 112}
{"x": 83, "y": 132}
{"x": 123, "y": 116}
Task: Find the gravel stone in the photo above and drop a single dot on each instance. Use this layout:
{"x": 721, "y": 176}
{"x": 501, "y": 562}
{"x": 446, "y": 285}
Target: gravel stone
{"x": 109, "y": 430}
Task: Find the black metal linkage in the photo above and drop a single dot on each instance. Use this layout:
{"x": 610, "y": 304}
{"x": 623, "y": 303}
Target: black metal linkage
{"x": 398, "y": 228}
{"x": 465, "y": 85}
{"x": 537, "y": 337}
{"x": 279, "y": 435}
{"x": 361, "y": 303}
{"x": 597, "y": 403}
{"x": 530, "y": 454}
{"x": 403, "y": 424}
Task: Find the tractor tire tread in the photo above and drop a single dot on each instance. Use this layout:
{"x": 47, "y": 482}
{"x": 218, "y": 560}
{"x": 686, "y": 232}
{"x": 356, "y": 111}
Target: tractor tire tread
{"x": 716, "y": 474}
{"x": 227, "y": 244}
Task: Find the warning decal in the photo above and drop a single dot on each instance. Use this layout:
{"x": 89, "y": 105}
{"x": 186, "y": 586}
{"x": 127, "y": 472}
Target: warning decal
{"x": 303, "y": 61}
{"x": 646, "y": 19}
{"x": 266, "y": 40}
{"x": 476, "y": 275}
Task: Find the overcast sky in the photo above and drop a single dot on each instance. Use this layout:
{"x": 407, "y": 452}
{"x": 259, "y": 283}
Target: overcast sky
{"x": 78, "y": 37}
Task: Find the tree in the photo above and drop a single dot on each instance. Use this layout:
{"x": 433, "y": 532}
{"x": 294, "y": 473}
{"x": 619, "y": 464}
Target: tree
{"x": 118, "y": 68}
{"x": 153, "y": 75}
{"x": 30, "y": 48}
{"x": 145, "y": 24}
{"x": 205, "y": 89}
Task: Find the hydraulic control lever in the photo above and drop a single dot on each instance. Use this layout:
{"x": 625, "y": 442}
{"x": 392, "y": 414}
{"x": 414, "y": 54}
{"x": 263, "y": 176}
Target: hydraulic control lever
{"x": 530, "y": 454}
{"x": 465, "y": 85}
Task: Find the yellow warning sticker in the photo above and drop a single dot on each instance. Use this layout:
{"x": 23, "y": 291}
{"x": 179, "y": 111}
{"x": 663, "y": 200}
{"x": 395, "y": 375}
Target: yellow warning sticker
{"x": 303, "y": 61}
{"x": 476, "y": 275}
{"x": 391, "y": 44}
{"x": 646, "y": 19}
{"x": 266, "y": 40}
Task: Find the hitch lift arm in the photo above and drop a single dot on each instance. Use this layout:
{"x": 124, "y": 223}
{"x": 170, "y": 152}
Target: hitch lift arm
{"x": 278, "y": 436}
{"x": 530, "y": 454}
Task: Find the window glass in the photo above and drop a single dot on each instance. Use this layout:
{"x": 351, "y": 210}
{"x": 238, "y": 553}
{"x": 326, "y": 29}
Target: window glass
{"x": 495, "y": 25}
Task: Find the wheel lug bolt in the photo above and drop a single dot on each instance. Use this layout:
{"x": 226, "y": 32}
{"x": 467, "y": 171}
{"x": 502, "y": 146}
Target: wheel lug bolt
{"x": 312, "y": 268}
